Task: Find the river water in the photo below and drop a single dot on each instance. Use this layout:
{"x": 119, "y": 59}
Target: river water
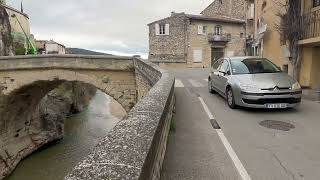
{"x": 82, "y": 132}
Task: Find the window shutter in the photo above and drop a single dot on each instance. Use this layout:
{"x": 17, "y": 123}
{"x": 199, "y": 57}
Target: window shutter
{"x": 252, "y": 10}
{"x": 167, "y": 29}
{"x": 200, "y": 29}
{"x": 197, "y": 55}
{"x": 157, "y": 29}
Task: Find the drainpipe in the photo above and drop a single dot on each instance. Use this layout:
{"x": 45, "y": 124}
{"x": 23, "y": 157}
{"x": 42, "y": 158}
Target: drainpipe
{"x": 318, "y": 92}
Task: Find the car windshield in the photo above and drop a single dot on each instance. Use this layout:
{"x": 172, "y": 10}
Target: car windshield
{"x": 253, "y": 66}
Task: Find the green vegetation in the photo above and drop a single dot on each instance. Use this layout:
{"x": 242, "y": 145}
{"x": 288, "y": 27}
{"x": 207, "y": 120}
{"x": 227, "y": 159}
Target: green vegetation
{"x": 173, "y": 124}
{"x": 20, "y": 49}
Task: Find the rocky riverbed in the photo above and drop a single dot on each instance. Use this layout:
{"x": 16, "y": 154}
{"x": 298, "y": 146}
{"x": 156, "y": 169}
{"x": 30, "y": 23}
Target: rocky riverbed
{"x": 47, "y": 123}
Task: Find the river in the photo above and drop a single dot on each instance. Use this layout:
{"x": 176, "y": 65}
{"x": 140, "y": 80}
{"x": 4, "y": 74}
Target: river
{"x": 82, "y": 132}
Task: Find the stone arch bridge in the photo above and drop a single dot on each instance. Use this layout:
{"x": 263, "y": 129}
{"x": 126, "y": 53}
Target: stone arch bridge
{"x": 25, "y": 80}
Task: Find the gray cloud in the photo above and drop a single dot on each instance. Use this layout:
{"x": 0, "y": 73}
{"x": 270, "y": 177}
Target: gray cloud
{"x": 105, "y": 25}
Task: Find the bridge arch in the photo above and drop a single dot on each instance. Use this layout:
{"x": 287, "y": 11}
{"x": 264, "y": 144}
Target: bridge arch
{"x": 24, "y": 81}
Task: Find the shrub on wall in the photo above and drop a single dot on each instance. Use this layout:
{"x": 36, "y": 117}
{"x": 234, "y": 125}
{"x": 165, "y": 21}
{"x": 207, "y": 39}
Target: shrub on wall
{"x": 20, "y": 49}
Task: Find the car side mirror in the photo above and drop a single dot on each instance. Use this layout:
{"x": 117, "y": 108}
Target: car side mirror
{"x": 228, "y": 72}
{"x": 222, "y": 72}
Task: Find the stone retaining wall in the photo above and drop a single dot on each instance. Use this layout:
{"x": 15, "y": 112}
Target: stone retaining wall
{"x": 135, "y": 148}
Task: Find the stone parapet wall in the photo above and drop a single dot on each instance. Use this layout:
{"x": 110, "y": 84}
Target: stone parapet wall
{"x": 135, "y": 148}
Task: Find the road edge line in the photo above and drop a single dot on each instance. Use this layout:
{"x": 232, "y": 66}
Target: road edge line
{"x": 235, "y": 159}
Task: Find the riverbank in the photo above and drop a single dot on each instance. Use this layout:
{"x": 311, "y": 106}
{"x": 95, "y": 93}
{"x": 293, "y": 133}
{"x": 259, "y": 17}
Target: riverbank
{"x": 46, "y": 124}
{"x": 82, "y": 132}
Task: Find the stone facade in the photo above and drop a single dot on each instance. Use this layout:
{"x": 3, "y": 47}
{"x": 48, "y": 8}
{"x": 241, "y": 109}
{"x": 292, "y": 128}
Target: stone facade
{"x": 19, "y": 26}
{"x": 173, "y": 47}
{"x": 227, "y": 8}
{"x": 186, "y": 46}
{"x": 235, "y": 47}
{"x": 6, "y": 43}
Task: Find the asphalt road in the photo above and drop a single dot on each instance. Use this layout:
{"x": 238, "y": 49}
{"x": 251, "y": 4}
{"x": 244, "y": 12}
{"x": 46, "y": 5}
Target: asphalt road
{"x": 196, "y": 150}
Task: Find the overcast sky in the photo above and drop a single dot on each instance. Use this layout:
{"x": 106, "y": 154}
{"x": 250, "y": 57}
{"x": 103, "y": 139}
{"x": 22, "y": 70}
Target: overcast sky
{"x": 114, "y": 26}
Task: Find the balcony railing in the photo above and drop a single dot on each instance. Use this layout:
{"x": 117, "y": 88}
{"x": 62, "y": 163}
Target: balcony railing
{"x": 219, "y": 38}
{"x": 310, "y": 25}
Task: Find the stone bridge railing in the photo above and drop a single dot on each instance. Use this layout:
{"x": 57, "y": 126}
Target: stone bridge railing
{"x": 135, "y": 148}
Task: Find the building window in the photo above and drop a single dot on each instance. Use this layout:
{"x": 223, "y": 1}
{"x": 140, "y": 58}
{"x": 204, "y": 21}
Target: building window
{"x": 202, "y": 29}
{"x": 218, "y": 30}
{"x": 162, "y": 29}
{"x": 316, "y": 3}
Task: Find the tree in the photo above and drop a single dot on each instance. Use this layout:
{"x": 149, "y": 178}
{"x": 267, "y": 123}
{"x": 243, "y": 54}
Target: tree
{"x": 290, "y": 29}
{"x": 2, "y": 1}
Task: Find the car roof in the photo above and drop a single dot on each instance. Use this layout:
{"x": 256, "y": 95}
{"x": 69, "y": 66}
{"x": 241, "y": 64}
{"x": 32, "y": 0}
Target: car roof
{"x": 242, "y": 57}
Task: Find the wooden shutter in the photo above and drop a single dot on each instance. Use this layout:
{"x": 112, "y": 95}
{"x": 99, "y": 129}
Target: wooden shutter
{"x": 200, "y": 29}
{"x": 167, "y": 29}
{"x": 197, "y": 55}
{"x": 157, "y": 29}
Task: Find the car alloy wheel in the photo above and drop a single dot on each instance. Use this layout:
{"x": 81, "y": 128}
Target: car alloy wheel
{"x": 210, "y": 86}
{"x": 230, "y": 98}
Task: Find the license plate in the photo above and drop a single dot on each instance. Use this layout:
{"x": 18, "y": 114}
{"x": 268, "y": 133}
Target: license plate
{"x": 276, "y": 106}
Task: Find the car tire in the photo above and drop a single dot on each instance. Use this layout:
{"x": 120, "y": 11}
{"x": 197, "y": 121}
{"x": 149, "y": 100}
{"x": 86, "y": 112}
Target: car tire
{"x": 211, "y": 90}
{"x": 230, "y": 98}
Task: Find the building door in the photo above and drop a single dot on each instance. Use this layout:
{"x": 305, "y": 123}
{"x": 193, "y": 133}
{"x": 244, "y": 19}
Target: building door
{"x": 216, "y": 53}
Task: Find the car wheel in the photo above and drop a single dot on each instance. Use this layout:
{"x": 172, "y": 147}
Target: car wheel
{"x": 230, "y": 99}
{"x": 210, "y": 87}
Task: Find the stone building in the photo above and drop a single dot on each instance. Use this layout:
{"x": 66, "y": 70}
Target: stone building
{"x": 185, "y": 40}
{"x": 50, "y": 47}
{"x": 19, "y": 28}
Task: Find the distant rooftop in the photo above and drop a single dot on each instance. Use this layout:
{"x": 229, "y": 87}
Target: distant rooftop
{"x": 206, "y": 18}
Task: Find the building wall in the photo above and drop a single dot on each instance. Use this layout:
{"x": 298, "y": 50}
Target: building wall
{"x": 16, "y": 29}
{"x": 310, "y": 67}
{"x": 200, "y": 42}
{"x": 315, "y": 72}
{"x": 54, "y": 48}
{"x": 230, "y": 8}
{"x": 271, "y": 47}
{"x": 306, "y": 67}
{"x": 310, "y": 73}
{"x": 170, "y": 48}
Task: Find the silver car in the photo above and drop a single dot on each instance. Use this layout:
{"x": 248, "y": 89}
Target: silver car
{"x": 253, "y": 82}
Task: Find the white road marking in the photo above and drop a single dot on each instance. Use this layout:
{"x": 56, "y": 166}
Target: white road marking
{"x": 195, "y": 83}
{"x": 178, "y": 83}
{"x": 242, "y": 171}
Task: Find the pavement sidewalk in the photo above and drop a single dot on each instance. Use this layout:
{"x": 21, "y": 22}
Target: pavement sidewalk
{"x": 194, "y": 150}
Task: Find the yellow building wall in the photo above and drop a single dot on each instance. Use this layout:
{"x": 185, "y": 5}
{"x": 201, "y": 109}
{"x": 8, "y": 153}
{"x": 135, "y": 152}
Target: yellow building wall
{"x": 306, "y": 66}
{"x": 315, "y": 72}
{"x": 15, "y": 27}
{"x": 272, "y": 49}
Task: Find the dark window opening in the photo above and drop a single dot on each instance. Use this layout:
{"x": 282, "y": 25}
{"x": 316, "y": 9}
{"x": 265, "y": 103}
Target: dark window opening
{"x": 316, "y": 3}
{"x": 162, "y": 29}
